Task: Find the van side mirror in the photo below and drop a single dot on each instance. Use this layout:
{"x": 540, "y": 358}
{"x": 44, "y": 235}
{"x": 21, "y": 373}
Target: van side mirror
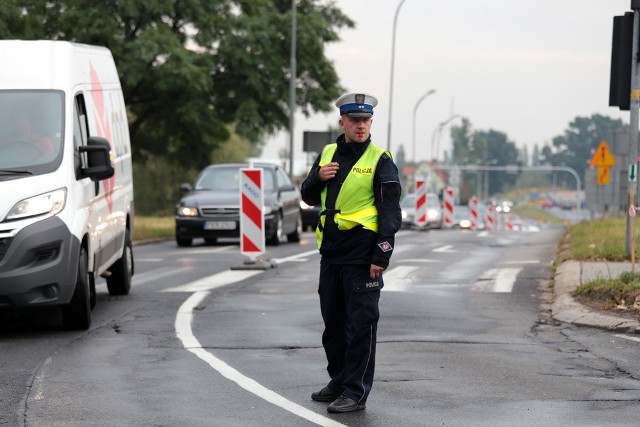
{"x": 185, "y": 187}
{"x": 98, "y": 152}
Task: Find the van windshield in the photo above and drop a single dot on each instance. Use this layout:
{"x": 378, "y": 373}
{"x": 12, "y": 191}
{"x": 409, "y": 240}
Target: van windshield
{"x": 31, "y": 124}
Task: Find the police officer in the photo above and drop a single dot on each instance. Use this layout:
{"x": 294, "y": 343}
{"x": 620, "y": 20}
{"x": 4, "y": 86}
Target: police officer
{"x": 357, "y": 185}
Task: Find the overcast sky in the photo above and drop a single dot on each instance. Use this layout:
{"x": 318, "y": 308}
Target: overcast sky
{"x": 525, "y": 68}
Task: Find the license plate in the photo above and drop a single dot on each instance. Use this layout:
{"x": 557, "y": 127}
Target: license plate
{"x": 220, "y": 225}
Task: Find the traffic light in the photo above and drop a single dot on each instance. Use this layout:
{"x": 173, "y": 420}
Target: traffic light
{"x": 621, "y": 55}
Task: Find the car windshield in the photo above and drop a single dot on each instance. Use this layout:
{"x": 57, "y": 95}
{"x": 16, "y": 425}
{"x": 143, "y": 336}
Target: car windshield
{"x": 228, "y": 179}
{"x": 30, "y": 131}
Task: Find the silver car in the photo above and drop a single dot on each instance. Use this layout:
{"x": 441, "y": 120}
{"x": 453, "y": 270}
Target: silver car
{"x": 434, "y": 211}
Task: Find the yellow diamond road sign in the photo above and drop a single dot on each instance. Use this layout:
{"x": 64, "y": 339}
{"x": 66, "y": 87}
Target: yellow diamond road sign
{"x": 602, "y": 156}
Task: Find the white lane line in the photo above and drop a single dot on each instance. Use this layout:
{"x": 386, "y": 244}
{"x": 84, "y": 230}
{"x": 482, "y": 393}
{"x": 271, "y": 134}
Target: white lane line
{"x": 445, "y": 249}
{"x": 214, "y": 281}
{"x": 185, "y": 334}
{"x": 505, "y": 279}
{"x": 627, "y": 337}
{"x": 297, "y": 258}
{"x": 397, "y": 279}
{"x": 499, "y": 280}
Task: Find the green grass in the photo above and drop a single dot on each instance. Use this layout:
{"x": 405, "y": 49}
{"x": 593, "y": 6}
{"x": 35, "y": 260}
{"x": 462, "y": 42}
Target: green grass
{"x": 609, "y": 294}
{"x": 537, "y": 213}
{"x": 153, "y": 227}
{"x": 597, "y": 240}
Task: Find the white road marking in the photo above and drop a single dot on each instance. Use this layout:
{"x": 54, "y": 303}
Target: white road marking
{"x": 214, "y": 281}
{"x": 627, "y": 337}
{"x": 445, "y": 249}
{"x": 189, "y": 341}
{"x": 499, "y": 280}
{"x": 297, "y": 258}
{"x": 397, "y": 280}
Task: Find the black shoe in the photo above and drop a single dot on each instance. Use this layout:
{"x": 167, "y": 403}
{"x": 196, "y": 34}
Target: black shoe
{"x": 344, "y": 404}
{"x": 324, "y": 395}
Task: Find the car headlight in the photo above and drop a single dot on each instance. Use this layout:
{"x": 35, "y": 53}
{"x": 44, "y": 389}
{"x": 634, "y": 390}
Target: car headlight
{"x": 404, "y": 214}
{"x": 432, "y": 214}
{"x": 266, "y": 210}
{"x": 187, "y": 211}
{"x": 304, "y": 206}
{"x": 44, "y": 204}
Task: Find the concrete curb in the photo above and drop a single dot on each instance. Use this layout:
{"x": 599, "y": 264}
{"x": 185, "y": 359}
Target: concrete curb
{"x": 566, "y": 308}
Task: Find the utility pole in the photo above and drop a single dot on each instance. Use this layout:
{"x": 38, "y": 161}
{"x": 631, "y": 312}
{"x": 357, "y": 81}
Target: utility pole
{"x": 634, "y": 108}
{"x": 292, "y": 84}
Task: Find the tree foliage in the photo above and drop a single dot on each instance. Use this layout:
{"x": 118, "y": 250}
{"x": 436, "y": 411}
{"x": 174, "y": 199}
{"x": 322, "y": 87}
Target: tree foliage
{"x": 484, "y": 148}
{"x": 576, "y": 146}
{"x": 191, "y": 68}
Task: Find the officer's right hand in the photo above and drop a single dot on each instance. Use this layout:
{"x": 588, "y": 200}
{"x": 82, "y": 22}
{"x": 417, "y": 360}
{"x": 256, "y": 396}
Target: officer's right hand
{"x": 328, "y": 171}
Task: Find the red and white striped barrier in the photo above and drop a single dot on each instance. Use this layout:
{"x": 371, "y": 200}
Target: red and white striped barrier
{"x": 473, "y": 212}
{"x": 490, "y": 219}
{"x": 447, "y": 211}
{"x": 252, "y": 240}
{"x": 420, "y": 218}
{"x": 508, "y": 223}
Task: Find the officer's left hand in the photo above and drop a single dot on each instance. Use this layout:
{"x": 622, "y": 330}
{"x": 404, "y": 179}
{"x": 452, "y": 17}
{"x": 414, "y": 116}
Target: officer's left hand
{"x": 375, "y": 271}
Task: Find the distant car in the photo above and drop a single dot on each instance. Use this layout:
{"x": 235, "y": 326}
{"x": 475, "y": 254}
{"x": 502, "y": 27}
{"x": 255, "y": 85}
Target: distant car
{"x": 211, "y": 208}
{"x": 461, "y": 218}
{"x": 310, "y": 216}
{"x": 434, "y": 211}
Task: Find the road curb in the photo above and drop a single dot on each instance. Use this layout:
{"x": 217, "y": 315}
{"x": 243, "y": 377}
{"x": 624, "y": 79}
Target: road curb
{"x": 566, "y": 308}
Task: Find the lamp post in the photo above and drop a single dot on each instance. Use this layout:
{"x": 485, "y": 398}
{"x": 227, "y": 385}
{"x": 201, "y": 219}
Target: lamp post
{"x": 292, "y": 84}
{"x": 438, "y": 132}
{"x": 415, "y": 109}
{"x": 393, "y": 55}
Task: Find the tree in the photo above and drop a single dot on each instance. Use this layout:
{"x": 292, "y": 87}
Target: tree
{"x": 484, "y": 148}
{"x": 575, "y": 147}
{"x": 191, "y": 68}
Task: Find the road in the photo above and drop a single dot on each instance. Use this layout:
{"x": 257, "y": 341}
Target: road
{"x": 464, "y": 339}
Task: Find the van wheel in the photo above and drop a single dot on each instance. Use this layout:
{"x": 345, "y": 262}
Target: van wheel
{"x": 77, "y": 314}
{"x": 295, "y": 235}
{"x": 276, "y": 238}
{"x": 119, "y": 282}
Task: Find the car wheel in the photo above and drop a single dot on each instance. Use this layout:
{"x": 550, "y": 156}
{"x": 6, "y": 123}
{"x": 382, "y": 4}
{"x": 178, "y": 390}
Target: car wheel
{"x": 295, "y": 235}
{"x": 119, "y": 282}
{"x": 77, "y": 314}
{"x": 183, "y": 242}
{"x": 276, "y": 238}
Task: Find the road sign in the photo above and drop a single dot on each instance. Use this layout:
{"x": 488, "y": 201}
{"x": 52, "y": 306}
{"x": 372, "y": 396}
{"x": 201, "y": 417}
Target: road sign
{"x": 604, "y": 175}
{"x": 602, "y": 156}
{"x": 633, "y": 173}
{"x": 252, "y": 240}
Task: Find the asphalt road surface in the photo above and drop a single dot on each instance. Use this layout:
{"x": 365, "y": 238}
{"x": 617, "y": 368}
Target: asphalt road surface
{"x": 464, "y": 339}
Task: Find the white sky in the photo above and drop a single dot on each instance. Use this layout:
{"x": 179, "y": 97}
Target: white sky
{"x": 525, "y": 68}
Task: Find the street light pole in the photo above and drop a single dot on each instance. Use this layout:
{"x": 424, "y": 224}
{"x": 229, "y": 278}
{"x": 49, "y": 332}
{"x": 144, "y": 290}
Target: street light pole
{"x": 292, "y": 84}
{"x": 415, "y": 109}
{"x": 393, "y": 56}
{"x": 438, "y": 133}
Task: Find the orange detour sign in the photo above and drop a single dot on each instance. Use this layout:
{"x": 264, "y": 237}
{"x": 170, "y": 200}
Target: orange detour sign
{"x": 602, "y": 157}
{"x": 604, "y": 175}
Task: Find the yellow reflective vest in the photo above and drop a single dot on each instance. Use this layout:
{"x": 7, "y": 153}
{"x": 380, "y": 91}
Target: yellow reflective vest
{"x": 355, "y": 204}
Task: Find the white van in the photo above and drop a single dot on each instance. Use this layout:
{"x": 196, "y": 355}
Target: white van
{"x": 66, "y": 188}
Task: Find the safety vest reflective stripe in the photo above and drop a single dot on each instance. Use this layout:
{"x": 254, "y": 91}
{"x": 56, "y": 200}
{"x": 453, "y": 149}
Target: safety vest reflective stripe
{"x": 355, "y": 202}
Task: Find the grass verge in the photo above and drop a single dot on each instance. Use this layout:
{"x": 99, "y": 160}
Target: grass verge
{"x": 153, "y": 227}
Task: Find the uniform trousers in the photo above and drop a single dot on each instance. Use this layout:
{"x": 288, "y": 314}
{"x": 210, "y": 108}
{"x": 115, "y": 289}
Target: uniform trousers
{"x": 349, "y": 306}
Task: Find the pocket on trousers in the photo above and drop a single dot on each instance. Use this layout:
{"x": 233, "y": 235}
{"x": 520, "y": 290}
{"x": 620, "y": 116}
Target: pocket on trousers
{"x": 368, "y": 285}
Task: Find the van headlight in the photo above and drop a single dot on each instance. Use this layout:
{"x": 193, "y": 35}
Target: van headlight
{"x": 44, "y": 204}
